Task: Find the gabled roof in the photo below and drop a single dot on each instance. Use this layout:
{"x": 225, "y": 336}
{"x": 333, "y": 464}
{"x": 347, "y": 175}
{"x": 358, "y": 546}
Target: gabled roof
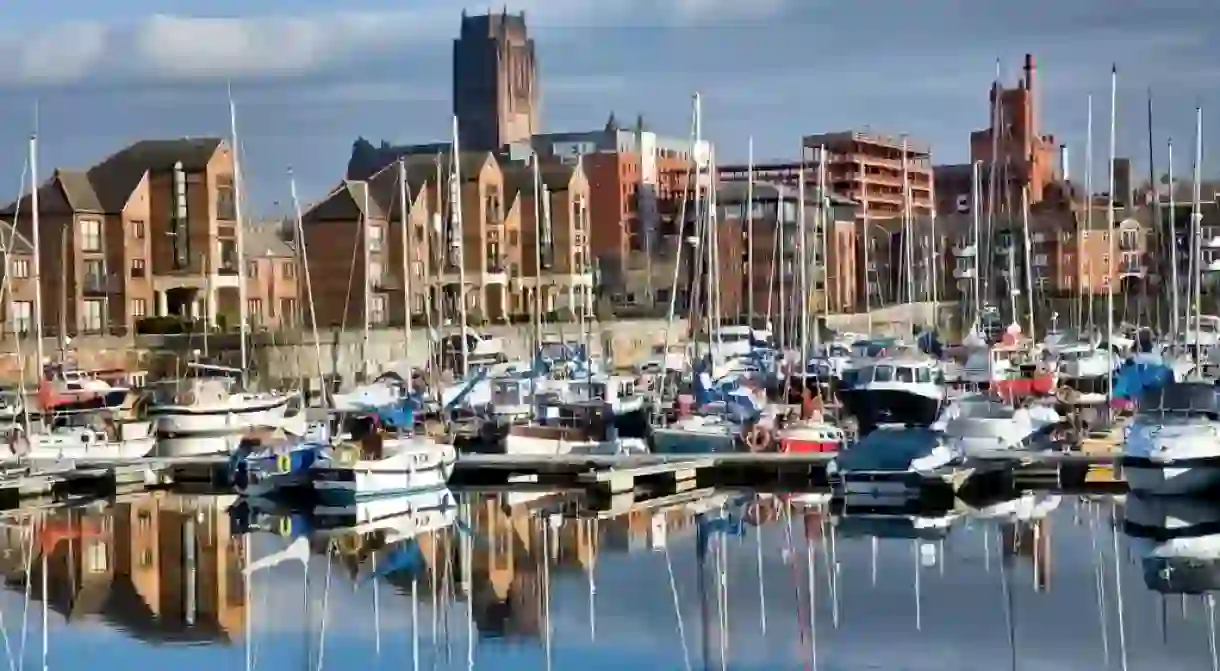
{"x": 265, "y": 240}
{"x": 11, "y": 237}
{"x": 385, "y": 189}
{"x": 106, "y": 187}
{"x": 519, "y": 179}
{"x": 345, "y": 203}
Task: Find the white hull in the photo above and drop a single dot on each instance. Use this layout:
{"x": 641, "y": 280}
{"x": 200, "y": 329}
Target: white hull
{"x": 49, "y": 448}
{"x": 419, "y": 465}
{"x": 530, "y": 445}
{"x": 239, "y": 414}
{"x": 194, "y": 446}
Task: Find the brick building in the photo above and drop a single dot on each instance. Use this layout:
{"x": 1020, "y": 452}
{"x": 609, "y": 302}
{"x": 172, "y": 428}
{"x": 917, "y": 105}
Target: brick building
{"x": 149, "y": 231}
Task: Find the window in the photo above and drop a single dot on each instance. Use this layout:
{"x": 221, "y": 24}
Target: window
{"x": 20, "y": 268}
{"x": 139, "y": 308}
{"x": 137, "y": 230}
{"x": 513, "y": 238}
{"x": 252, "y": 269}
{"x": 290, "y": 270}
{"x": 375, "y": 238}
{"x": 91, "y": 316}
{"x": 288, "y": 311}
{"x": 254, "y": 310}
{"x": 90, "y": 235}
{"x": 376, "y": 274}
{"x": 137, "y": 267}
{"x": 96, "y": 557}
{"x": 23, "y": 316}
{"x": 377, "y": 310}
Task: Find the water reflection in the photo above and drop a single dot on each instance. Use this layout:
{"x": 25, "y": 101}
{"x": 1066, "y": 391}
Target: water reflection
{"x": 446, "y": 580}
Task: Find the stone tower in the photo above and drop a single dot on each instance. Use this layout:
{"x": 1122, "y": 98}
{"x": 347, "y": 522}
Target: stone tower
{"x": 495, "y": 81}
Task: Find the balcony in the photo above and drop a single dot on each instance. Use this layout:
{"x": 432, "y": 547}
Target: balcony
{"x": 385, "y": 283}
{"x": 1131, "y": 268}
{"x": 966, "y": 252}
{"x": 226, "y": 207}
{"x": 1128, "y": 243}
{"x": 99, "y": 285}
{"x": 963, "y": 273}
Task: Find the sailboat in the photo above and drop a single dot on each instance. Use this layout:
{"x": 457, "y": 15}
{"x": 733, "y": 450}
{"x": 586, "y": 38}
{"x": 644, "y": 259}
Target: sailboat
{"x": 212, "y": 399}
{"x": 95, "y": 436}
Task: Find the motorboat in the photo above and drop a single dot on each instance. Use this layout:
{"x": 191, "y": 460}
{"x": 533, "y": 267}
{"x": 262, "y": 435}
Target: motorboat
{"x": 572, "y": 428}
{"x": 904, "y": 390}
{"x": 810, "y": 435}
{"x": 388, "y": 389}
{"x": 619, "y": 394}
{"x": 1173, "y": 442}
{"x": 895, "y": 466}
{"x": 211, "y": 402}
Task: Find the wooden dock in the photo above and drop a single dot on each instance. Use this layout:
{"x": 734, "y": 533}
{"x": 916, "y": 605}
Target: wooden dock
{"x": 608, "y": 481}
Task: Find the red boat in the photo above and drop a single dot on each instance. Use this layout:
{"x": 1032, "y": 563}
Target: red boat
{"x": 810, "y": 436}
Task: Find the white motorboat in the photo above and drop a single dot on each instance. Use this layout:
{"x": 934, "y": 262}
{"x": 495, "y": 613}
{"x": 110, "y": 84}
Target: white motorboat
{"x": 894, "y": 466}
{"x": 1173, "y": 443}
{"x": 381, "y": 466}
{"x": 397, "y": 517}
{"x": 387, "y": 390}
{"x": 574, "y": 428}
{"x": 699, "y": 434}
{"x": 211, "y": 403}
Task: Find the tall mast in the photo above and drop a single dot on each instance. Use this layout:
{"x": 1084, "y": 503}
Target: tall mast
{"x": 368, "y": 281}
{"x": 300, "y": 236}
{"x": 750, "y": 233}
{"x": 538, "y": 212}
{"x": 243, "y": 308}
{"x": 802, "y": 243}
{"x": 868, "y": 282}
{"x": 976, "y": 189}
{"x": 1029, "y": 250}
{"x": 1196, "y": 216}
{"x": 459, "y": 243}
{"x": 823, "y": 226}
{"x": 908, "y": 237}
{"x": 36, "y": 234}
{"x": 1176, "y": 308}
{"x": 1110, "y": 229}
{"x": 1156, "y": 201}
{"x": 406, "y": 247}
{"x": 1088, "y": 209}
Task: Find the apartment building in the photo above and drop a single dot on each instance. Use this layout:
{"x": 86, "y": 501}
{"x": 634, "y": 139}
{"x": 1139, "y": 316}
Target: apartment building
{"x": 868, "y": 167}
{"x": 149, "y": 231}
{"x": 17, "y": 275}
{"x": 554, "y": 266}
{"x": 273, "y": 284}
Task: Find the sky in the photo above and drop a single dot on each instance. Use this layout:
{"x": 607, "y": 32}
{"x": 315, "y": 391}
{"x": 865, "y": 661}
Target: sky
{"x": 309, "y": 77}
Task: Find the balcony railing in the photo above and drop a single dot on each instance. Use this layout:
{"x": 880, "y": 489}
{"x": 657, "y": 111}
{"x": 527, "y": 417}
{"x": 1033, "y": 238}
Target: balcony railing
{"x": 99, "y": 285}
{"x": 1128, "y": 242}
{"x": 385, "y": 283}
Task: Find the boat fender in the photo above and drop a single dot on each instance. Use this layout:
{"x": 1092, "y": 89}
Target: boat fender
{"x": 759, "y": 439}
{"x": 283, "y": 463}
{"x": 285, "y": 526}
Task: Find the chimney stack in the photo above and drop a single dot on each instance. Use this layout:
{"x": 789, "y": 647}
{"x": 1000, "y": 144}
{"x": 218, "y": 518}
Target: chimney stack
{"x": 1029, "y": 72}
{"x": 1063, "y": 162}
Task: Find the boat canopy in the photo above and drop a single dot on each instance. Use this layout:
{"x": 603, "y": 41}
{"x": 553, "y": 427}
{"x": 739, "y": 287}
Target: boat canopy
{"x": 1196, "y": 398}
{"x": 889, "y": 450}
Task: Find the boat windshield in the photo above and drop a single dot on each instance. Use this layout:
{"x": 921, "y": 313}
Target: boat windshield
{"x": 883, "y": 374}
{"x": 905, "y": 374}
{"x": 1194, "y": 398}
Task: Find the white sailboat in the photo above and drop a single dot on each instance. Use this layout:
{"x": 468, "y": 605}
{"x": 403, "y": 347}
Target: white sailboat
{"x": 203, "y": 406}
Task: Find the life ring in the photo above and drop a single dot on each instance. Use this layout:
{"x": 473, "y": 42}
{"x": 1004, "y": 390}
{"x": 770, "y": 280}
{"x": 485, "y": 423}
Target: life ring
{"x": 759, "y": 439}
{"x": 283, "y": 463}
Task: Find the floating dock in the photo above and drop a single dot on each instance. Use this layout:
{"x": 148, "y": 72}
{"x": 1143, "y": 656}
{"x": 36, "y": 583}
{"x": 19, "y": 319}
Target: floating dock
{"x": 609, "y": 480}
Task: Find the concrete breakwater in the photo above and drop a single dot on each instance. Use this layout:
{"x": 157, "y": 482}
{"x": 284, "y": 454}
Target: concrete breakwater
{"x": 294, "y": 355}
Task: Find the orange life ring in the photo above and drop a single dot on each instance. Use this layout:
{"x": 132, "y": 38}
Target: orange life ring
{"x": 759, "y": 439}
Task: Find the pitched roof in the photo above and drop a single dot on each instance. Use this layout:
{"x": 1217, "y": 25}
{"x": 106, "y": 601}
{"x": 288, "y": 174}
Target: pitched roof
{"x": 384, "y": 184}
{"x": 519, "y": 179}
{"x": 265, "y": 239}
{"x": 106, "y": 187}
{"x": 19, "y": 243}
{"x": 346, "y": 202}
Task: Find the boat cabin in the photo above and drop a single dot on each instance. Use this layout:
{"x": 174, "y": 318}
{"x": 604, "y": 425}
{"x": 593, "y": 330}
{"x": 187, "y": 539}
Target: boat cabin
{"x": 569, "y": 422}
{"x": 899, "y": 371}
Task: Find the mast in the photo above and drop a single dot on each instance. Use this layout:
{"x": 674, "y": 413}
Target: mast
{"x": 935, "y": 255}
{"x": 36, "y": 219}
{"x": 368, "y": 283}
{"x": 300, "y": 236}
{"x": 1156, "y": 197}
{"x": 243, "y": 308}
{"x": 992, "y": 195}
{"x": 802, "y": 243}
{"x": 976, "y": 189}
{"x": 780, "y": 226}
{"x": 538, "y": 210}
{"x": 1110, "y": 230}
{"x": 823, "y": 224}
{"x": 1196, "y": 216}
{"x": 459, "y": 243}
{"x": 1029, "y": 280}
{"x": 1173, "y": 250}
{"x": 750, "y": 232}
{"x": 406, "y": 262}
{"x": 868, "y": 282}
{"x": 1088, "y": 209}
{"x": 908, "y": 246}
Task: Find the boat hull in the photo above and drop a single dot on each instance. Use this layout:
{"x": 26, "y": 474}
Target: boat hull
{"x": 192, "y": 421}
{"x": 412, "y": 470}
{"x": 873, "y": 408}
{"x": 807, "y": 445}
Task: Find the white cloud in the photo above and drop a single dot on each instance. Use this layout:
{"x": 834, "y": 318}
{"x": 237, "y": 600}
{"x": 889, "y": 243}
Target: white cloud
{"x": 185, "y": 48}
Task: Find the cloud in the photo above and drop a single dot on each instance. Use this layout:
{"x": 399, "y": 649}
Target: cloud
{"x": 171, "y": 48}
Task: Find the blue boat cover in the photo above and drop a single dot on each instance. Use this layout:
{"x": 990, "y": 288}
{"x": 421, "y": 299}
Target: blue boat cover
{"x": 889, "y": 450}
{"x": 1137, "y": 378}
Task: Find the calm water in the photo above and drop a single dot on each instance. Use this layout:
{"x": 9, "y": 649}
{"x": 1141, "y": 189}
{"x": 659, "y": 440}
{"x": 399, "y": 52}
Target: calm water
{"x": 526, "y": 582}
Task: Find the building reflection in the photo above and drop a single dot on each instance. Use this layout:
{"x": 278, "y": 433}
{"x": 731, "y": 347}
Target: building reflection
{"x": 1030, "y": 540}
{"x": 163, "y": 568}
